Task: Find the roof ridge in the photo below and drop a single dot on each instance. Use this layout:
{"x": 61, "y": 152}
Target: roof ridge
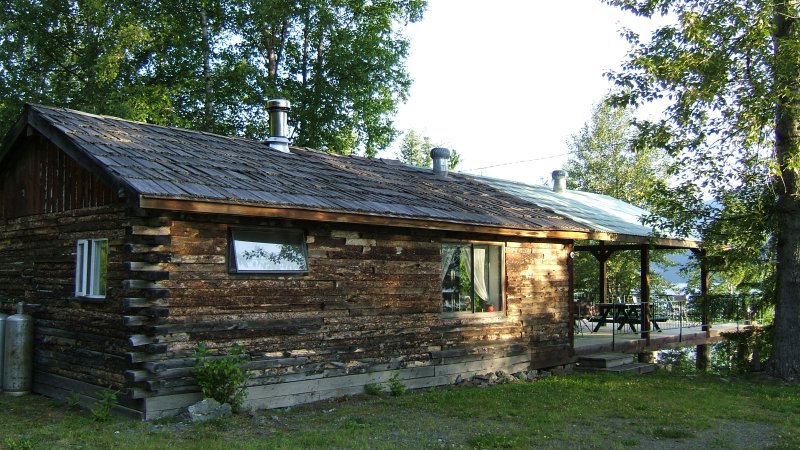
{"x": 137, "y": 122}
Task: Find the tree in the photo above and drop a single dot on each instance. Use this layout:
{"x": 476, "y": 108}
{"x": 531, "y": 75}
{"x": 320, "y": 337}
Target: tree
{"x": 730, "y": 70}
{"x": 602, "y": 160}
{"x": 212, "y": 64}
{"x": 415, "y": 150}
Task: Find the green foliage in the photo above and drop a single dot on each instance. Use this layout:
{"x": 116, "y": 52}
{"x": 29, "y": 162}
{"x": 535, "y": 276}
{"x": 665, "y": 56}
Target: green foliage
{"x": 73, "y": 400}
{"x": 101, "y": 410}
{"x": 373, "y": 389}
{"x": 742, "y": 352}
{"x": 396, "y": 387}
{"x": 221, "y": 378}
{"x": 739, "y": 353}
{"x": 18, "y": 444}
{"x": 342, "y": 64}
{"x": 728, "y": 70}
{"x": 415, "y": 150}
{"x": 714, "y": 66}
{"x": 603, "y": 160}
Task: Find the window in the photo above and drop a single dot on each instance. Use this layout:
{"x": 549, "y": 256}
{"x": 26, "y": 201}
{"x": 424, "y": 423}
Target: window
{"x": 91, "y": 264}
{"x": 472, "y": 278}
{"x": 267, "y": 251}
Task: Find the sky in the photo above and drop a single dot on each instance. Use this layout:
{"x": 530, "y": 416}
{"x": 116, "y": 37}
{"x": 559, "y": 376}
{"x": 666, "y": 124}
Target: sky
{"x": 507, "y": 82}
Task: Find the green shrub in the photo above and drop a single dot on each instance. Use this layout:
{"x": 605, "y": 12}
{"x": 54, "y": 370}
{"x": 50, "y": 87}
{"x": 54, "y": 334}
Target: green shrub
{"x": 221, "y": 378}
{"x": 73, "y": 400}
{"x": 21, "y": 444}
{"x": 101, "y": 410}
{"x": 396, "y": 387}
{"x": 373, "y": 389}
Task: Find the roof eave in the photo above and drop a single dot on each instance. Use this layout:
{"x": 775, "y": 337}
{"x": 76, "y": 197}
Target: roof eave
{"x": 656, "y": 241}
{"x": 227, "y": 208}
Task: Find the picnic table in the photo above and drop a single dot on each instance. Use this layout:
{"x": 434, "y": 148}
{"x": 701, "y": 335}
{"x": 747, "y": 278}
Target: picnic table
{"x": 621, "y": 314}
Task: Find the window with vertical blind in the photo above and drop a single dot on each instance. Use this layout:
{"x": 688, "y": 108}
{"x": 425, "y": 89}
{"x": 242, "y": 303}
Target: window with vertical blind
{"x": 472, "y": 277}
{"x": 91, "y": 265}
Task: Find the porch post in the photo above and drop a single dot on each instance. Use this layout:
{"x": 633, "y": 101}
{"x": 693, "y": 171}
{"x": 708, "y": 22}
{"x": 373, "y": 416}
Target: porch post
{"x": 603, "y": 281}
{"x": 602, "y": 257}
{"x": 644, "y": 290}
{"x": 573, "y": 312}
{"x": 703, "y": 356}
{"x": 705, "y": 281}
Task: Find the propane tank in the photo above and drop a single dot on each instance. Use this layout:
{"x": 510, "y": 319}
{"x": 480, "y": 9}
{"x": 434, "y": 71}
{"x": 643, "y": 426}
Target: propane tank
{"x": 18, "y": 361}
{"x": 2, "y": 345}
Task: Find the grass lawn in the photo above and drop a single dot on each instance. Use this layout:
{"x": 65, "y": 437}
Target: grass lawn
{"x": 661, "y": 410}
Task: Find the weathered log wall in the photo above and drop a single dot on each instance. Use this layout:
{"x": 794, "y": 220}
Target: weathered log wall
{"x": 75, "y": 339}
{"x": 80, "y": 344}
{"x": 369, "y": 307}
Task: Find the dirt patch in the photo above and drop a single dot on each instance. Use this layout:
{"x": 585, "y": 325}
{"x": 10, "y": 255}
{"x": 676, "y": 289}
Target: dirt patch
{"x": 623, "y": 433}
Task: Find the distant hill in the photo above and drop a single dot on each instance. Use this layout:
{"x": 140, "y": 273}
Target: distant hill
{"x": 673, "y": 274}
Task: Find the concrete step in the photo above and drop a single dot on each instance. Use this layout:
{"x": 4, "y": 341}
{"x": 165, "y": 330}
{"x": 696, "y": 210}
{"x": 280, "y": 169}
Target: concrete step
{"x": 604, "y": 360}
{"x": 631, "y": 368}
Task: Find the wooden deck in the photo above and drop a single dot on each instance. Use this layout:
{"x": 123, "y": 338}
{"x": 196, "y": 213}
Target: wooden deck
{"x": 604, "y": 340}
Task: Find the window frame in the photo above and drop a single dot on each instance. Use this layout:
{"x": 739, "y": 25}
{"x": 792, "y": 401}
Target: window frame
{"x": 232, "y": 261}
{"x": 91, "y": 268}
{"x": 501, "y": 301}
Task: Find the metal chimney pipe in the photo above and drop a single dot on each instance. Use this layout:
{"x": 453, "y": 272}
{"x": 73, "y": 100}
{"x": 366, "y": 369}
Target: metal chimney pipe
{"x": 441, "y": 161}
{"x": 278, "y": 128}
{"x": 559, "y": 180}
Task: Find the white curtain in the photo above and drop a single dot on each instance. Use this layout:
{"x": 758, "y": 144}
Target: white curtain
{"x": 480, "y": 273}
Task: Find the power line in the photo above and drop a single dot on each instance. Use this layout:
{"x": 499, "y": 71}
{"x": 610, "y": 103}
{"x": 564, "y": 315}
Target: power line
{"x": 516, "y": 162}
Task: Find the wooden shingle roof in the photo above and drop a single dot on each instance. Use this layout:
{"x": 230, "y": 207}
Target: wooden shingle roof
{"x": 164, "y": 167}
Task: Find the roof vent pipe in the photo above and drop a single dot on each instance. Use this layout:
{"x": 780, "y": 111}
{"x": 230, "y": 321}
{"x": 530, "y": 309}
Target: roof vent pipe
{"x": 559, "y": 180}
{"x": 278, "y": 128}
{"x": 441, "y": 161}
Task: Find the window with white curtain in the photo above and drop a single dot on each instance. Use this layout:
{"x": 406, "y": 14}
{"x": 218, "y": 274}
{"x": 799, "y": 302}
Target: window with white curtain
{"x": 91, "y": 266}
{"x": 472, "y": 277}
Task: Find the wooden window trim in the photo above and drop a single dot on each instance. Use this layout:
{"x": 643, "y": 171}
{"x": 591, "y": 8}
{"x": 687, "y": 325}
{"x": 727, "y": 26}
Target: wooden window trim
{"x": 89, "y": 267}
{"x": 233, "y": 268}
{"x": 503, "y": 304}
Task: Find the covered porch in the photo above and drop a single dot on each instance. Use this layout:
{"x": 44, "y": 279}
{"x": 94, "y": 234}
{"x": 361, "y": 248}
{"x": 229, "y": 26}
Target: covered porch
{"x": 608, "y": 339}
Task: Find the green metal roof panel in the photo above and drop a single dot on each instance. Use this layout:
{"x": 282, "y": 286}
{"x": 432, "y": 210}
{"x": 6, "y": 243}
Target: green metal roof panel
{"x": 600, "y": 213}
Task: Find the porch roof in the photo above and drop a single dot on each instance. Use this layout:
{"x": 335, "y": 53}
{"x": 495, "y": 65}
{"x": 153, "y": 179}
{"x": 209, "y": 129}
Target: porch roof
{"x": 620, "y": 221}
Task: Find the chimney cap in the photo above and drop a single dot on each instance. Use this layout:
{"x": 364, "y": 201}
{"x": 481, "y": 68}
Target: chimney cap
{"x": 559, "y": 180}
{"x": 278, "y": 110}
{"x": 440, "y": 152}
{"x": 278, "y": 103}
{"x": 441, "y": 159}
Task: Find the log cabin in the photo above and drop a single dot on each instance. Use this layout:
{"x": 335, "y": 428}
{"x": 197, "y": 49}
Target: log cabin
{"x": 136, "y": 243}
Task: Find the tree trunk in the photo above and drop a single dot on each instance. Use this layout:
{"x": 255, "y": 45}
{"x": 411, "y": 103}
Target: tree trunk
{"x": 786, "y": 357}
